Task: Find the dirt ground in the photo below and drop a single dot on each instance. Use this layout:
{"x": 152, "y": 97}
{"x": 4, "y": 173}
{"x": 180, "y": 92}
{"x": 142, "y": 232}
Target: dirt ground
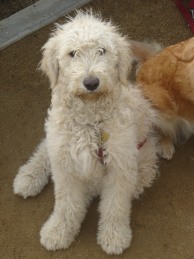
{"x": 162, "y": 219}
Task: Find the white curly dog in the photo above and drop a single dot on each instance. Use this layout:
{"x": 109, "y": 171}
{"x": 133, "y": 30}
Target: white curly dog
{"x": 99, "y": 137}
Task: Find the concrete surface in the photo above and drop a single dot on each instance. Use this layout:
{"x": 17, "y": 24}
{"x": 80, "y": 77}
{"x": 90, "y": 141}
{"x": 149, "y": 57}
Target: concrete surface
{"x": 9, "y": 7}
{"x": 162, "y": 219}
{"x": 34, "y": 17}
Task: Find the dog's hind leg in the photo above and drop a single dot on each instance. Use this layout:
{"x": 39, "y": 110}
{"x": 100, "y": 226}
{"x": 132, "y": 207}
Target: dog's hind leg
{"x": 34, "y": 175}
{"x": 166, "y": 147}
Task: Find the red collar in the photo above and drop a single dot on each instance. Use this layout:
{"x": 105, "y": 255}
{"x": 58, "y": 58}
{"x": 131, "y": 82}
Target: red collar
{"x": 141, "y": 143}
{"x": 100, "y": 154}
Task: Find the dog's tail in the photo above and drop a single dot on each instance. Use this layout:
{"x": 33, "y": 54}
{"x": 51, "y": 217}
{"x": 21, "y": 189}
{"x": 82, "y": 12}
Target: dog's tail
{"x": 144, "y": 50}
{"x": 141, "y": 52}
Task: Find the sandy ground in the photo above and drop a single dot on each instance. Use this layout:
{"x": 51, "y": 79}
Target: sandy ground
{"x": 162, "y": 219}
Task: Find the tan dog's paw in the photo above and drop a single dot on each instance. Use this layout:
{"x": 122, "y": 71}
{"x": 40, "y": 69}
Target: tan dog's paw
{"x": 166, "y": 148}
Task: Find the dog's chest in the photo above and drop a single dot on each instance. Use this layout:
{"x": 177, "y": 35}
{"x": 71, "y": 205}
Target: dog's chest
{"x": 87, "y": 148}
{"x": 90, "y": 137}
{"x": 87, "y": 142}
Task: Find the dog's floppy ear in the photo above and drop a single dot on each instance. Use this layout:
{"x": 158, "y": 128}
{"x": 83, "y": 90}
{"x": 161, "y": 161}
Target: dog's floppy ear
{"x": 49, "y": 64}
{"x": 125, "y": 59}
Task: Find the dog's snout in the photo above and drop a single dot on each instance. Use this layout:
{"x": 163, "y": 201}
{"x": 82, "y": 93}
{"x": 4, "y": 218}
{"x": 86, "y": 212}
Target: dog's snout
{"x": 91, "y": 83}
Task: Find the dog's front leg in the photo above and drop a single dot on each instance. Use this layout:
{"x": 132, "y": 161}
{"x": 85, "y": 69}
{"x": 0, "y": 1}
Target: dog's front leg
{"x": 70, "y": 208}
{"x": 114, "y": 227}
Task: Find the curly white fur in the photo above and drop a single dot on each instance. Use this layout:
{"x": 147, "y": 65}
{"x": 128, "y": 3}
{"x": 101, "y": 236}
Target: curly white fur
{"x": 87, "y": 47}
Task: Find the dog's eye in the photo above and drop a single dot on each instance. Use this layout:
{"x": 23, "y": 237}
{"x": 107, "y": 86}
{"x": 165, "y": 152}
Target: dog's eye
{"x": 102, "y": 51}
{"x": 72, "y": 53}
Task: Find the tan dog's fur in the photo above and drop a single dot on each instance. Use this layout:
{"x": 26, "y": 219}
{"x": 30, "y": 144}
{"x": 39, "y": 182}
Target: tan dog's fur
{"x": 167, "y": 79}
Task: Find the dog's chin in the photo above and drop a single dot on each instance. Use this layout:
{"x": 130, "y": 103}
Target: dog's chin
{"x": 91, "y": 96}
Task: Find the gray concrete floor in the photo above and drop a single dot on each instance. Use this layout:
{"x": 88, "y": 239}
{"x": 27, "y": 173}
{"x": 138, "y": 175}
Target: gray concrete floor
{"x": 33, "y": 18}
{"x": 162, "y": 219}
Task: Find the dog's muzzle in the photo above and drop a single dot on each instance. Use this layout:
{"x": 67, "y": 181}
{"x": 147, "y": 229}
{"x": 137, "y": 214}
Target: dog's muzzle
{"x": 91, "y": 83}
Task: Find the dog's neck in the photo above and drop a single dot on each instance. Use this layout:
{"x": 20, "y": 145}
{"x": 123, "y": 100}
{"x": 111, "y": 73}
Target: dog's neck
{"x": 87, "y": 111}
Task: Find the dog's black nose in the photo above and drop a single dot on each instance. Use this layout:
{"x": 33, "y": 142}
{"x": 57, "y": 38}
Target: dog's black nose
{"x": 91, "y": 83}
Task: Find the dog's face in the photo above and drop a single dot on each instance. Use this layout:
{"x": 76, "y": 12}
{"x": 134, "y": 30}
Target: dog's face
{"x": 87, "y": 57}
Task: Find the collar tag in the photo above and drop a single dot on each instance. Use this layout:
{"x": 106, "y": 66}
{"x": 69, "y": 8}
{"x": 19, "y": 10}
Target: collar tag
{"x": 104, "y": 137}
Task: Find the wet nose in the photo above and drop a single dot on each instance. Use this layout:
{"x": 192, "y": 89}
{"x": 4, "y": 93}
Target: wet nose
{"x": 91, "y": 83}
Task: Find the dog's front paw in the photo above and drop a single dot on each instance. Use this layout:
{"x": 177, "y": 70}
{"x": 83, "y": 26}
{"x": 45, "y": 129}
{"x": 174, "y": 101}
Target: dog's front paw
{"x": 55, "y": 234}
{"x": 114, "y": 239}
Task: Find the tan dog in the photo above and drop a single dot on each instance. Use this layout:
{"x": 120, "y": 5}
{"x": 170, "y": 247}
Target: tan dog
{"x": 167, "y": 79}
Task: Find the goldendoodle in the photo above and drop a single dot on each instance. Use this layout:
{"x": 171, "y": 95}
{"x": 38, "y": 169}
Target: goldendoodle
{"x": 99, "y": 138}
